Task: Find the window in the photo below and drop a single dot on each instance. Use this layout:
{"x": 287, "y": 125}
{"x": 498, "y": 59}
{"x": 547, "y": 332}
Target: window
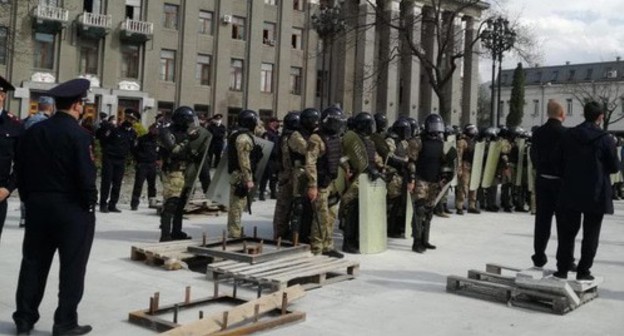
{"x": 93, "y": 6}
{"x": 202, "y": 111}
{"x": 167, "y": 65}
{"x": 572, "y": 73}
{"x": 570, "y": 106}
{"x": 295, "y": 80}
{"x": 44, "y": 51}
{"x": 271, "y": 2}
{"x": 3, "y": 44}
{"x": 238, "y": 28}
{"x": 165, "y": 108}
{"x": 170, "y": 18}
{"x": 236, "y": 75}
{"x": 266, "y": 78}
{"x": 205, "y": 23}
{"x": 538, "y": 77}
{"x": 203, "y": 70}
{"x": 88, "y": 56}
{"x": 268, "y": 34}
{"x": 535, "y": 107}
{"x": 589, "y": 73}
{"x": 133, "y": 9}
{"x": 298, "y": 5}
{"x": 297, "y": 39}
{"x": 555, "y": 76}
{"x": 130, "y": 59}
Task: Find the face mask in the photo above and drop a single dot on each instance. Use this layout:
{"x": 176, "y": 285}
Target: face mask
{"x": 217, "y": 122}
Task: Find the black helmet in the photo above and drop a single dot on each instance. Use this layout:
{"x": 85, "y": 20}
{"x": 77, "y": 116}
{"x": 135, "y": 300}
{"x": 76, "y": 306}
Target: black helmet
{"x": 449, "y": 130}
{"x": 332, "y": 121}
{"x": 471, "y": 131}
{"x": 490, "y": 133}
{"x": 414, "y": 125}
{"x": 248, "y": 119}
{"x": 434, "y": 124}
{"x": 402, "y": 128}
{"x": 381, "y": 122}
{"x": 310, "y": 119}
{"x": 504, "y": 132}
{"x": 291, "y": 121}
{"x": 364, "y": 123}
{"x": 516, "y": 131}
{"x": 351, "y": 123}
{"x": 183, "y": 117}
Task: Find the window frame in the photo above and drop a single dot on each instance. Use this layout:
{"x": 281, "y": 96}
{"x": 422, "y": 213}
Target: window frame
{"x": 298, "y": 43}
{"x": 201, "y": 67}
{"x": 239, "y": 24}
{"x": 89, "y": 48}
{"x": 237, "y": 75}
{"x": 167, "y": 16}
{"x": 51, "y": 49}
{"x": 124, "y": 47}
{"x": 296, "y": 81}
{"x": 169, "y": 63}
{"x": 202, "y": 27}
{"x": 267, "y": 72}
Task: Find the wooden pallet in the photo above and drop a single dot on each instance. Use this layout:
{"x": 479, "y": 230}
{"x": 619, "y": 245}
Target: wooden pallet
{"x": 170, "y": 255}
{"x": 251, "y": 250}
{"x": 201, "y": 206}
{"x": 531, "y": 289}
{"x": 303, "y": 268}
{"x": 244, "y": 318}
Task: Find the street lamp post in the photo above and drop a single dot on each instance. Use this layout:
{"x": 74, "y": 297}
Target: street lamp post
{"x": 498, "y": 38}
{"x": 328, "y": 23}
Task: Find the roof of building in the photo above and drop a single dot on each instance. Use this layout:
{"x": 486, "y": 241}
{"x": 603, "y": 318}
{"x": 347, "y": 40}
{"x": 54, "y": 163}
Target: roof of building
{"x": 569, "y": 73}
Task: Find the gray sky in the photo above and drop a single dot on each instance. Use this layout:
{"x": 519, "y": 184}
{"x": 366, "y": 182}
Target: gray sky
{"x": 579, "y": 31}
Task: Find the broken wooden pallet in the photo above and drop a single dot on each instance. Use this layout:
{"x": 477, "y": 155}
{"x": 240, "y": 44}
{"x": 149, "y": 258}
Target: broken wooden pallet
{"x": 248, "y": 249}
{"x": 170, "y": 255}
{"x": 201, "y": 206}
{"x": 532, "y": 289}
{"x": 303, "y": 268}
{"x": 244, "y": 318}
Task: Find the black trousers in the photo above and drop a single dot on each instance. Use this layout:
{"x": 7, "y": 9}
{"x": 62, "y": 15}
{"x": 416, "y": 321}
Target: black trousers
{"x": 54, "y": 222}
{"x": 546, "y": 193}
{"x": 3, "y": 213}
{"x": 204, "y": 176}
{"x": 143, "y": 171}
{"x": 112, "y": 174}
{"x": 568, "y": 226}
{"x": 269, "y": 177}
{"x": 214, "y": 153}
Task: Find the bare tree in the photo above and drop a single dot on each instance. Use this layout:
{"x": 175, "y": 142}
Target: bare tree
{"x": 609, "y": 93}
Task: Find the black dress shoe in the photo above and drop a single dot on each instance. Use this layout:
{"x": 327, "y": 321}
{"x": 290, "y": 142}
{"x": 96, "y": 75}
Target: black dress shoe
{"x": 113, "y": 209}
{"x": 77, "y": 330}
{"x": 333, "y": 254}
{"x": 165, "y": 239}
{"x": 460, "y": 211}
{"x": 474, "y": 211}
{"x": 429, "y": 246}
{"x": 103, "y": 209}
{"x": 584, "y": 277}
{"x": 418, "y": 248}
{"x": 23, "y": 328}
{"x": 561, "y": 275}
{"x": 180, "y": 236}
{"x": 134, "y": 208}
{"x": 350, "y": 249}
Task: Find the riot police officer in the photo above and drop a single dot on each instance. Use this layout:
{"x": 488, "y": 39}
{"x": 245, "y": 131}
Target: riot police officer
{"x": 465, "y": 155}
{"x": 145, "y": 154}
{"x": 379, "y": 136}
{"x": 284, "y": 176}
{"x": 174, "y": 142}
{"x": 242, "y": 160}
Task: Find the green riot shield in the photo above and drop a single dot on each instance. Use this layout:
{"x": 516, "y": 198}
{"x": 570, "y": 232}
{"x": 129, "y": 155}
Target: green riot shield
{"x": 521, "y": 143}
{"x": 354, "y": 148}
{"x": 477, "y": 165}
{"x": 451, "y": 142}
{"x": 199, "y": 150}
{"x": 340, "y": 184}
{"x": 617, "y": 177}
{"x": 530, "y": 173}
{"x": 267, "y": 147}
{"x": 409, "y": 213}
{"x": 373, "y": 219}
{"x": 491, "y": 163}
{"x": 219, "y": 189}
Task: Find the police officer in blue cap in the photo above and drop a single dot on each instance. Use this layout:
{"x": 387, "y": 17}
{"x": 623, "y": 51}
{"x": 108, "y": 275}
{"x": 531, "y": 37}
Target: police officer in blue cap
{"x": 56, "y": 178}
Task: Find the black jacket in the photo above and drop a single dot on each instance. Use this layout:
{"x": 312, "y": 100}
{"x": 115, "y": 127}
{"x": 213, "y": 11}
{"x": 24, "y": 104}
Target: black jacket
{"x": 10, "y": 132}
{"x": 146, "y": 149}
{"x": 585, "y": 159}
{"x": 543, "y": 144}
{"x": 117, "y": 142}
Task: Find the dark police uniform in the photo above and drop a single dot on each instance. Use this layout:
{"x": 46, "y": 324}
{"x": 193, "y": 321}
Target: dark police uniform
{"x": 270, "y": 172}
{"x": 146, "y": 154}
{"x": 547, "y": 184}
{"x": 10, "y": 131}
{"x": 117, "y": 142}
{"x": 56, "y": 178}
{"x": 215, "y": 150}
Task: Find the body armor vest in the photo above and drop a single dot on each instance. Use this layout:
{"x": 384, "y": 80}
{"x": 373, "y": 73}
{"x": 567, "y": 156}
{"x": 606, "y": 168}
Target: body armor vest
{"x": 468, "y": 151}
{"x": 327, "y": 165}
{"x": 370, "y": 150}
{"x": 401, "y": 150}
{"x": 283, "y": 154}
{"x": 173, "y": 162}
{"x": 429, "y": 162}
{"x": 233, "y": 163}
{"x": 294, "y": 156}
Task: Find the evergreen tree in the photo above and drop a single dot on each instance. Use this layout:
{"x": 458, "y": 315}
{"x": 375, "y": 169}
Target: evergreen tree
{"x": 516, "y": 103}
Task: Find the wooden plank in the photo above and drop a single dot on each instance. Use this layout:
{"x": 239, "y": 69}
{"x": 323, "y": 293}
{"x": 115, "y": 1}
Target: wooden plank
{"x": 299, "y": 264}
{"x": 246, "y": 267}
{"x": 496, "y": 268}
{"x": 491, "y": 277}
{"x": 331, "y": 266}
{"x": 550, "y": 285}
{"x": 250, "y": 258}
{"x": 246, "y": 311}
{"x": 264, "y": 325}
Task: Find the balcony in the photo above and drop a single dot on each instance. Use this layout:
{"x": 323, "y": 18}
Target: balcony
{"x": 136, "y": 31}
{"x": 95, "y": 25}
{"x": 49, "y": 19}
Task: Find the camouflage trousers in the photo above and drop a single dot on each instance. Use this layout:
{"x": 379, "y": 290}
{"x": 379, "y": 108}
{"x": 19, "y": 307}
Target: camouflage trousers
{"x": 350, "y": 195}
{"x": 173, "y": 183}
{"x": 321, "y": 236}
{"x": 283, "y": 204}
{"x": 236, "y": 208}
{"x": 463, "y": 189}
{"x": 395, "y": 186}
{"x": 426, "y": 191}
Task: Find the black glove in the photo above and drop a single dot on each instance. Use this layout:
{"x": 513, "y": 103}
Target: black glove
{"x": 373, "y": 174}
{"x": 241, "y": 190}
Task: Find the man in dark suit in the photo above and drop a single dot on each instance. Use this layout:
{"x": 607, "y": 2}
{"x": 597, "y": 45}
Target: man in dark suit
{"x": 10, "y": 131}
{"x": 586, "y": 158}
{"x": 547, "y": 180}
{"x": 219, "y": 132}
{"x": 56, "y": 179}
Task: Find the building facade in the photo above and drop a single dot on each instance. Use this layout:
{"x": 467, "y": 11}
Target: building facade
{"x": 218, "y": 56}
{"x": 570, "y": 85}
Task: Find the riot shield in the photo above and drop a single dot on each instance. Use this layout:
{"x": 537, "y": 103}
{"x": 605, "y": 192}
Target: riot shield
{"x": 477, "y": 165}
{"x": 372, "y": 214}
{"x": 530, "y": 174}
{"x": 617, "y": 177}
{"x": 491, "y": 164}
{"x": 219, "y": 189}
{"x": 521, "y": 143}
{"x": 409, "y": 213}
{"x": 267, "y": 147}
{"x": 355, "y": 150}
{"x": 199, "y": 150}
{"x": 451, "y": 142}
